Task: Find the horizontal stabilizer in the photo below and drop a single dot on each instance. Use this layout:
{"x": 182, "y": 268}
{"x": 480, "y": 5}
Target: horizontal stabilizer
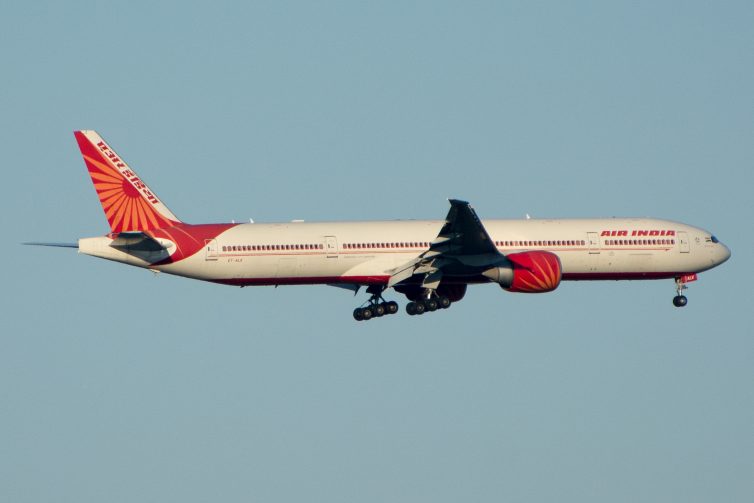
{"x": 139, "y": 241}
{"x": 56, "y": 245}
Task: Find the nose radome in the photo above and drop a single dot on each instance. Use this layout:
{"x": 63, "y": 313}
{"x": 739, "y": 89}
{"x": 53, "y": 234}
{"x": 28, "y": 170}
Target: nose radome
{"x": 724, "y": 253}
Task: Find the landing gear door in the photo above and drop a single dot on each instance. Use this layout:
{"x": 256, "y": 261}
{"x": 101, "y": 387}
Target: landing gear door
{"x": 593, "y": 240}
{"x": 331, "y": 247}
{"x": 683, "y": 242}
{"x": 210, "y": 249}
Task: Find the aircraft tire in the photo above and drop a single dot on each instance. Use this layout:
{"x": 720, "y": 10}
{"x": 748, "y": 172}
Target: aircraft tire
{"x": 431, "y": 304}
{"x": 358, "y": 315}
{"x": 419, "y": 307}
{"x": 680, "y": 300}
{"x": 391, "y": 307}
{"x": 443, "y": 302}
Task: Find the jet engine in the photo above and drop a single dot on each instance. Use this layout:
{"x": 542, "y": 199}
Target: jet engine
{"x": 528, "y": 272}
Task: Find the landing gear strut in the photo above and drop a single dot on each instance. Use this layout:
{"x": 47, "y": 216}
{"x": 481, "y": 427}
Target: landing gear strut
{"x": 376, "y": 306}
{"x": 680, "y": 300}
{"x": 431, "y": 302}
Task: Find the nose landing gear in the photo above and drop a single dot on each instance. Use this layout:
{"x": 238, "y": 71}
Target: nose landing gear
{"x": 680, "y": 300}
{"x": 376, "y": 306}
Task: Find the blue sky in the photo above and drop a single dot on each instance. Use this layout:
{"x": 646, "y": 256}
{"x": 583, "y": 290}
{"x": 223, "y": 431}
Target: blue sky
{"x": 116, "y": 385}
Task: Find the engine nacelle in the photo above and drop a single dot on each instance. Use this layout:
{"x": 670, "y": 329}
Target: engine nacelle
{"x": 528, "y": 272}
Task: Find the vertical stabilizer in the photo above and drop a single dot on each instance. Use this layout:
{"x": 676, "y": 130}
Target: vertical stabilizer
{"x": 128, "y": 203}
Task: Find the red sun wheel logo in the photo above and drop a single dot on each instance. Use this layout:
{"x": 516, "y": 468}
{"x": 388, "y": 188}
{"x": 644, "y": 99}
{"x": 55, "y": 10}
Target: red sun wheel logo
{"x": 125, "y": 207}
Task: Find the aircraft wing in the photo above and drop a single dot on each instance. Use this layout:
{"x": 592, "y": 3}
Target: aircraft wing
{"x": 462, "y": 248}
{"x": 463, "y": 232}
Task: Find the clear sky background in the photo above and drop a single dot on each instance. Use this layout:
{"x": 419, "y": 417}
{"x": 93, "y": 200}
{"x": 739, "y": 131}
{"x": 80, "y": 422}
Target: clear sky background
{"x": 119, "y": 386}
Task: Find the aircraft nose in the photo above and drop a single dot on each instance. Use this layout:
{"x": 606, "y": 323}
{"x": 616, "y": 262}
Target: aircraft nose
{"x": 723, "y": 253}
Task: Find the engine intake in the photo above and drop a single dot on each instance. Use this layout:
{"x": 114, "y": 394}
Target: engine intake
{"x": 528, "y": 272}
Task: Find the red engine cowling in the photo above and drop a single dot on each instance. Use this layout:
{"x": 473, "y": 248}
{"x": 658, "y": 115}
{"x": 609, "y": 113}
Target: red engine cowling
{"x": 533, "y": 272}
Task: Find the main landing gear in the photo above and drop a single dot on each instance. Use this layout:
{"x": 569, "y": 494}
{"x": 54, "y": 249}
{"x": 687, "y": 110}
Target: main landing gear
{"x": 680, "y": 300}
{"x": 433, "y": 302}
{"x": 376, "y": 306}
{"x": 424, "y": 302}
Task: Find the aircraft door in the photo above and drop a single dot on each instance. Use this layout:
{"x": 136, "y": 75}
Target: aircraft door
{"x": 210, "y": 249}
{"x": 683, "y": 242}
{"x": 331, "y": 247}
{"x": 593, "y": 240}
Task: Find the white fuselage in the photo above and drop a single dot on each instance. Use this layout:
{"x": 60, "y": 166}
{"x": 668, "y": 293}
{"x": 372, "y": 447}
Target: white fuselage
{"x": 366, "y": 252}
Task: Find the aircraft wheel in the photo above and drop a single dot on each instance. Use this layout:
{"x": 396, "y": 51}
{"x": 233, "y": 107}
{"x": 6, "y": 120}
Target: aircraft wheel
{"x": 367, "y": 313}
{"x": 680, "y": 300}
{"x": 431, "y": 304}
{"x": 419, "y": 307}
{"x": 391, "y": 307}
{"x": 358, "y": 315}
{"x": 378, "y": 310}
{"x": 443, "y": 302}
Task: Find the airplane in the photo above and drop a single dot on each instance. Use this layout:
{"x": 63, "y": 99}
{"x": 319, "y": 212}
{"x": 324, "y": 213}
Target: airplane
{"x": 431, "y": 262}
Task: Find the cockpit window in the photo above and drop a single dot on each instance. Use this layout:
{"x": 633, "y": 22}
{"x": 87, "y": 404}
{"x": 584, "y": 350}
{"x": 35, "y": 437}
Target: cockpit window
{"x": 715, "y": 240}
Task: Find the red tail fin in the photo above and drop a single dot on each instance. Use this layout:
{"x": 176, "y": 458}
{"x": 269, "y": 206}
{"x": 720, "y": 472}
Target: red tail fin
{"x": 128, "y": 203}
